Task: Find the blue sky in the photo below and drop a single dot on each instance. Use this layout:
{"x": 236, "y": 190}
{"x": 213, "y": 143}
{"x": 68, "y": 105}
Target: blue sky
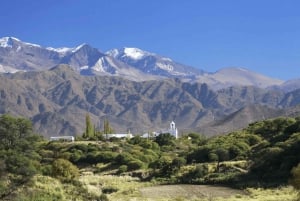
{"x": 261, "y": 35}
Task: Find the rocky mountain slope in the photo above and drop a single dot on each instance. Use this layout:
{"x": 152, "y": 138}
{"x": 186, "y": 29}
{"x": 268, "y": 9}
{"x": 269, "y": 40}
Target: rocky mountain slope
{"x": 130, "y": 63}
{"x": 57, "y": 101}
{"x": 135, "y": 89}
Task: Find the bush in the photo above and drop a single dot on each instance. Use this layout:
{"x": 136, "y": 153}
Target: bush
{"x": 106, "y": 156}
{"x": 123, "y": 158}
{"x": 109, "y": 190}
{"x": 165, "y": 139}
{"x": 295, "y": 180}
{"x": 64, "y": 169}
{"x": 122, "y": 168}
{"x": 19, "y": 164}
{"x": 135, "y": 165}
{"x": 178, "y": 162}
{"x": 103, "y": 197}
{"x": 46, "y": 170}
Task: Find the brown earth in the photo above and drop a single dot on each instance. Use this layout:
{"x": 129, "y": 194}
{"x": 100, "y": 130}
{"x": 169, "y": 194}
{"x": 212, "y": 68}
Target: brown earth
{"x": 188, "y": 191}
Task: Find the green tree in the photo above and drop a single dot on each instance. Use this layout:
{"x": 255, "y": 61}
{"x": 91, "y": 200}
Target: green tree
{"x": 18, "y": 152}
{"x": 13, "y": 131}
{"x": 165, "y": 139}
{"x": 223, "y": 155}
{"x": 89, "y": 128}
{"x": 107, "y": 129}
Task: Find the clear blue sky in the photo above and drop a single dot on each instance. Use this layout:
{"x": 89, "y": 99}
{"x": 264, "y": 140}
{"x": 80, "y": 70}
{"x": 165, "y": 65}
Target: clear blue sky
{"x": 261, "y": 35}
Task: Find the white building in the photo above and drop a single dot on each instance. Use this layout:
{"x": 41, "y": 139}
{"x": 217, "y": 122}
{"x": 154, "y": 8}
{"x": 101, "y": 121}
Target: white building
{"x": 117, "y": 135}
{"x": 172, "y": 130}
{"x": 63, "y": 138}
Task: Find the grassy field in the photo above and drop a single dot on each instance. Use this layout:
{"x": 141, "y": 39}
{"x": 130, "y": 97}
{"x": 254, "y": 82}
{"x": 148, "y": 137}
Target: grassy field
{"x": 127, "y": 188}
{"x": 131, "y": 189}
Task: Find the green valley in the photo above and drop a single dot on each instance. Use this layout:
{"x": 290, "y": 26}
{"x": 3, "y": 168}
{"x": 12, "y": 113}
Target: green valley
{"x": 259, "y": 162}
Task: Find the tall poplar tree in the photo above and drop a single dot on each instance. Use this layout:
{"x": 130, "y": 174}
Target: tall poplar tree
{"x": 89, "y": 129}
{"x": 106, "y": 128}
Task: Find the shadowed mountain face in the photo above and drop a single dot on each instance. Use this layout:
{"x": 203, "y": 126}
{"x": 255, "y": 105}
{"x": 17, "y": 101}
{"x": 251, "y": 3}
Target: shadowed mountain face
{"x": 57, "y": 101}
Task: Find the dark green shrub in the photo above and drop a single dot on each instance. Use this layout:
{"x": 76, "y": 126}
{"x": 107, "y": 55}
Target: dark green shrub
{"x": 165, "y": 139}
{"x": 106, "y": 156}
{"x": 103, "y": 197}
{"x": 109, "y": 190}
{"x": 123, "y": 158}
{"x": 122, "y": 169}
{"x": 135, "y": 165}
{"x": 178, "y": 162}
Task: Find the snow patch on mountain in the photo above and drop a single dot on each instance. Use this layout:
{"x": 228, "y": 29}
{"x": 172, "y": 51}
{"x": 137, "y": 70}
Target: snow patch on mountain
{"x": 78, "y": 47}
{"x": 61, "y": 50}
{"x": 105, "y": 65}
{"x": 6, "y": 42}
{"x": 84, "y": 67}
{"x": 100, "y": 65}
{"x": 32, "y": 45}
{"x": 134, "y": 53}
{"x": 167, "y": 59}
{"x": 113, "y": 53}
{"x": 166, "y": 67}
{"x": 65, "y": 50}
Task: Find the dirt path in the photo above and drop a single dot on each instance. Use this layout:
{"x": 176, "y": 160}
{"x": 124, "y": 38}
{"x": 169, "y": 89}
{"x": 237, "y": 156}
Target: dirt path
{"x": 188, "y": 191}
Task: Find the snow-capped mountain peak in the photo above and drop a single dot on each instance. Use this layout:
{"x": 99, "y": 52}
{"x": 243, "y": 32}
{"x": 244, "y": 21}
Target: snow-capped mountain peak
{"x": 78, "y": 47}
{"x": 134, "y": 63}
{"x": 135, "y": 53}
{"x": 129, "y": 52}
{"x": 64, "y": 50}
{"x": 7, "y": 41}
{"x": 151, "y": 63}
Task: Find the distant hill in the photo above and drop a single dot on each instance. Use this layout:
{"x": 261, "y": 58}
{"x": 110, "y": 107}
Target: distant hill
{"x": 58, "y": 99}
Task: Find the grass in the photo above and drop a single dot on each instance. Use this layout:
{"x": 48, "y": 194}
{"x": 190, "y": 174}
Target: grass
{"x": 286, "y": 193}
{"x": 131, "y": 189}
{"x": 126, "y": 188}
{"x": 119, "y": 187}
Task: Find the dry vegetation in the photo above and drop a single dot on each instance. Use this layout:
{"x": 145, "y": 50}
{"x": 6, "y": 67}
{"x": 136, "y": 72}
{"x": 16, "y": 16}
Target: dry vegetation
{"x": 131, "y": 189}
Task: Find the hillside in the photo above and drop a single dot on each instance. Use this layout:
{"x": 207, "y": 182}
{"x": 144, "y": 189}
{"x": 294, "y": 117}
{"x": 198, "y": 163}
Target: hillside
{"x": 229, "y": 167}
{"x": 58, "y": 100}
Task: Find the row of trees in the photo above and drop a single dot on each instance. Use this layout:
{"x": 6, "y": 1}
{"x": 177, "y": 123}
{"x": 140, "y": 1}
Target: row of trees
{"x": 92, "y": 133}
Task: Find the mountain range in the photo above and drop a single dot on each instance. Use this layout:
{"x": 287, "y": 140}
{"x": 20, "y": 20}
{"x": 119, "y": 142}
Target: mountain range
{"x": 135, "y": 89}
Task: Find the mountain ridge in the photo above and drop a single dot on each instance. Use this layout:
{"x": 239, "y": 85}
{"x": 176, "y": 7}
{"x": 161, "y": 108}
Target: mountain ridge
{"x": 132, "y": 63}
{"x": 58, "y": 99}
{"x": 135, "y": 89}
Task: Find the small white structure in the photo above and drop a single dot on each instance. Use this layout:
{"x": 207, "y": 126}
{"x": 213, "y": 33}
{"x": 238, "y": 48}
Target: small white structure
{"x": 127, "y": 135}
{"x": 173, "y": 130}
{"x": 63, "y": 138}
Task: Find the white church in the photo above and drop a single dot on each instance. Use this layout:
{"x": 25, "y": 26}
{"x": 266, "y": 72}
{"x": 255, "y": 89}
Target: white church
{"x": 172, "y": 130}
